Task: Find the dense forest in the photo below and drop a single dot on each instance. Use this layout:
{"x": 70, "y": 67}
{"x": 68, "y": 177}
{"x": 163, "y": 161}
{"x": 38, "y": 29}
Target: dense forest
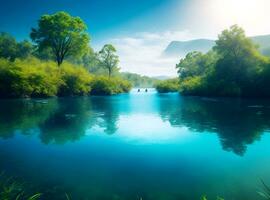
{"x": 59, "y": 61}
{"x": 234, "y": 67}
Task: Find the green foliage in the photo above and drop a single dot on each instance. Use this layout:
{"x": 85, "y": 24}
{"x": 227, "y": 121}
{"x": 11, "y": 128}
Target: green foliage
{"x": 8, "y": 46}
{"x": 196, "y": 64}
{"x": 10, "y": 49}
{"x": 11, "y": 189}
{"x": 109, "y": 86}
{"x": 192, "y": 85}
{"x": 139, "y": 81}
{"x": 170, "y": 85}
{"x": 61, "y": 33}
{"x": 108, "y": 59}
{"x": 240, "y": 60}
{"x": 233, "y": 68}
{"x": 90, "y": 61}
{"x": 75, "y": 80}
{"x": 34, "y": 78}
{"x": 28, "y": 78}
{"x": 58, "y": 37}
{"x": 24, "y": 49}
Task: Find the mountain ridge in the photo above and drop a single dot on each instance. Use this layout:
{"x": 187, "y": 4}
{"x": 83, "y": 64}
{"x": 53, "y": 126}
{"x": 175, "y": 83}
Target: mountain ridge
{"x": 181, "y": 48}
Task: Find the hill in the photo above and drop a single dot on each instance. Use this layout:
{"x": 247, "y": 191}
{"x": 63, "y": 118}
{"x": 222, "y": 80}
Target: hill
{"x": 181, "y": 48}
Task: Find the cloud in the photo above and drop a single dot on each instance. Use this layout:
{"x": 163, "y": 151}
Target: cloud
{"x": 142, "y": 52}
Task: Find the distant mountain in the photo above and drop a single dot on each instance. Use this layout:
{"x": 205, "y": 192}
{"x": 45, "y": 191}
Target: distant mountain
{"x": 181, "y": 48}
{"x": 264, "y": 43}
{"x": 161, "y": 78}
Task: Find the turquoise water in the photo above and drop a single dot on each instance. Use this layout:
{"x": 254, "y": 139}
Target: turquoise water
{"x": 137, "y": 146}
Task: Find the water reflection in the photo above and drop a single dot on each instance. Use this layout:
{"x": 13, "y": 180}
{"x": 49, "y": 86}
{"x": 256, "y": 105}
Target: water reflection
{"x": 24, "y": 115}
{"x": 238, "y": 123}
{"x": 107, "y": 112}
{"x": 68, "y": 122}
{"x": 57, "y": 120}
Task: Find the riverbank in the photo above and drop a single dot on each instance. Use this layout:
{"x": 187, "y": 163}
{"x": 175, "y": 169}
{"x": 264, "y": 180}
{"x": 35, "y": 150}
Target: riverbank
{"x": 33, "y": 78}
{"x": 234, "y": 67}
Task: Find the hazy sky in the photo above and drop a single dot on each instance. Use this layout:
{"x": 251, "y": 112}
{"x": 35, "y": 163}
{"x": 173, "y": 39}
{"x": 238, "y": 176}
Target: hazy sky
{"x": 141, "y": 29}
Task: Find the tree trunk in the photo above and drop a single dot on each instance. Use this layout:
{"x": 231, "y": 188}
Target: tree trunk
{"x": 59, "y": 61}
{"x": 110, "y": 73}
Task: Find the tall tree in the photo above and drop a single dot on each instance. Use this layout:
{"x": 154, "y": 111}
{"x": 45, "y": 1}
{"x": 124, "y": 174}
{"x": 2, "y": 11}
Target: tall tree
{"x": 239, "y": 56}
{"x": 109, "y": 59}
{"x": 63, "y": 34}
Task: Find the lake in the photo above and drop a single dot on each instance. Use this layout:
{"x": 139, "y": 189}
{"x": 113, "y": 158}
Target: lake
{"x": 141, "y": 146}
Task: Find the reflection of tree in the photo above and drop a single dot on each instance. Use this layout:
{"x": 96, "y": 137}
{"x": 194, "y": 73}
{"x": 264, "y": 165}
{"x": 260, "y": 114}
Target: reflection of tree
{"x": 108, "y": 111}
{"x": 59, "y": 120}
{"x": 24, "y": 115}
{"x": 236, "y": 122}
{"x": 69, "y": 122}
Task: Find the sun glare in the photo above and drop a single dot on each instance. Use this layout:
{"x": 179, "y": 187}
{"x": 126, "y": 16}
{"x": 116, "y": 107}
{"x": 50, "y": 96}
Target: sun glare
{"x": 246, "y": 13}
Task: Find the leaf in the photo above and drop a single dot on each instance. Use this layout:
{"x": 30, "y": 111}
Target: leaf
{"x": 266, "y": 187}
{"x": 264, "y": 195}
{"x": 35, "y": 197}
{"x": 67, "y": 196}
{"x": 219, "y": 198}
{"x": 204, "y": 197}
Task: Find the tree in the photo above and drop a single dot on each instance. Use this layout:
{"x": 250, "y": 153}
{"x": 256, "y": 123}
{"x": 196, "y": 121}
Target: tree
{"x": 8, "y": 46}
{"x": 109, "y": 59}
{"x": 234, "y": 67}
{"x": 90, "y": 61}
{"x": 65, "y": 35}
{"x": 24, "y": 49}
{"x": 11, "y": 49}
{"x": 239, "y": 57}
{"x": 196, "y": 64}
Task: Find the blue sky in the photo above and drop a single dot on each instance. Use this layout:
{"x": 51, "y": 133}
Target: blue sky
{"x": 103, "y": 17}
{"x": 141, "y": 29}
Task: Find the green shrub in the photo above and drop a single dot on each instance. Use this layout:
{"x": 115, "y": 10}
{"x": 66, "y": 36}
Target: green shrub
{"x": 28, "y": 78}
{"x": 34, "y": 78}
{"x": 125, "y": 86}
{"x": 109, "y": 86}
{"x": 166, "y": 86}
{"x": 233, "y": 68}
{"x": 75, "y": 80}
{"x": 192, "y": 85}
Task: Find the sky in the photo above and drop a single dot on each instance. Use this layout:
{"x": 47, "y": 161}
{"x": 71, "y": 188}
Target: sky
{"x": 142, "y": 29}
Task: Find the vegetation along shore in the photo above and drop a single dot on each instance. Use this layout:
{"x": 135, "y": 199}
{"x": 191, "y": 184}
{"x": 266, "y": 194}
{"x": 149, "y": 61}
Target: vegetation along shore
{"x": 234, "y": 67}
{"x": 60, "y": 62}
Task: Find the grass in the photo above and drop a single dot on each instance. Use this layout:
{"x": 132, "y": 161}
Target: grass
{"x": 265, "y": 193}
{"x": 12, "y": 189}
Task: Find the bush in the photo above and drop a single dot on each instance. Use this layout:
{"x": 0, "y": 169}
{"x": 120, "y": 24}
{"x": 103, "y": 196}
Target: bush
{"x": 74, "y": 80}
{"x": 166, "y": 86}
{"x": 125, "y": 86}
{"x": 34, "y": 78}
{"x": 200, "y": 86}
{"x": 192, "y": 85}
{"x": 233, "y": 68}
{"x": 28, "y": 78}
{"x": 109, "y": 86}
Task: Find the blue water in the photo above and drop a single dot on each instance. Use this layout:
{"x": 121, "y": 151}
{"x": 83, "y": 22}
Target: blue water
{"x": 137, "y": 146}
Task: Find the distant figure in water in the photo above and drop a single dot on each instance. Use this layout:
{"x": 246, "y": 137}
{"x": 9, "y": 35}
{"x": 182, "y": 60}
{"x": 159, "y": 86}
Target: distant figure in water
{"x": 139, "y": 90}
{"x": 146, "y": 90}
